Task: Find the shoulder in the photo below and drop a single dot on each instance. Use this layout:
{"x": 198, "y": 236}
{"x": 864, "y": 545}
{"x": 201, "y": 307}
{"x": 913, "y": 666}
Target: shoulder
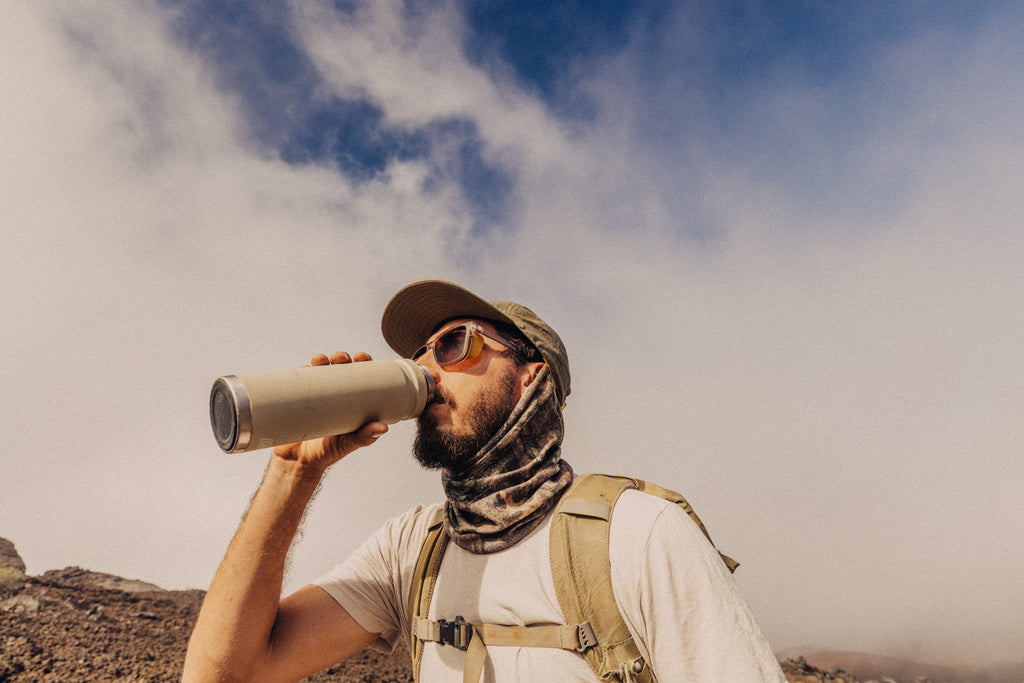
{"x": 390, "y": 547}
{"x": 636, "y": 517}
{"x": 414, "y": 520}
{"x": 638, "y": 513}
{"x": 648, "y": 531}
{"x": 638, "y": 503}
{"x": 406, "y": 532}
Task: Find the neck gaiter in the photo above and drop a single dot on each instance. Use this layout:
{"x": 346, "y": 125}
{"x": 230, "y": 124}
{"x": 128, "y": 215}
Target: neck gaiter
{"x": 513, "y": 481}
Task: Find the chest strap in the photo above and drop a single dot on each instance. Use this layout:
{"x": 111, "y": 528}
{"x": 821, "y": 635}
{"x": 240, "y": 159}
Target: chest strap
{"x": 474, "y": 639}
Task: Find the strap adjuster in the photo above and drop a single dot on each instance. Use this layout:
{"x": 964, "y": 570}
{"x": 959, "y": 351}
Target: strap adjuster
{"x": 586, "y": 637}
{"x": 456, "y": 633}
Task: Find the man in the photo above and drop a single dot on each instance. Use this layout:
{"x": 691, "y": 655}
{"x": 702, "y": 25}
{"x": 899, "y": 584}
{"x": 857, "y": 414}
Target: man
{"x": 494, "y": 430}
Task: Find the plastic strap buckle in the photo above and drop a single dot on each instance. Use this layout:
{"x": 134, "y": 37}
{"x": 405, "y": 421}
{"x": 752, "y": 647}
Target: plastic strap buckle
{"x": 586, "y": 637}
{"x": 456, "y": 633}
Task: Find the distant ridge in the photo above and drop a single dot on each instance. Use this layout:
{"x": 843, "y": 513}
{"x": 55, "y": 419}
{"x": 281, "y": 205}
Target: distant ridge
{"x": 74, "y": 576}
{"x": 869, "y": 667}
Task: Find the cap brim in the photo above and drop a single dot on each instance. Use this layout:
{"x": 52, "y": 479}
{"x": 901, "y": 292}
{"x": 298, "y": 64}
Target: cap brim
{"x": 416, "y": 310}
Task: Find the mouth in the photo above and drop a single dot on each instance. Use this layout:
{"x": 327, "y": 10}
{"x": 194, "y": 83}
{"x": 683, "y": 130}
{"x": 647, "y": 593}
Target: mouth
{"x": 440, "y": 399}
{"x": 435, "y": 406}
{"x": 438, "y": 411}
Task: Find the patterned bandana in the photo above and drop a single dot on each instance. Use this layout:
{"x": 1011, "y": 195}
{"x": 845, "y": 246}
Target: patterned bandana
{"x": 514, "y": 480}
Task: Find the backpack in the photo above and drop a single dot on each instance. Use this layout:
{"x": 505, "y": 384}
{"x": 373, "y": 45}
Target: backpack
{"x": 581, "y": 568}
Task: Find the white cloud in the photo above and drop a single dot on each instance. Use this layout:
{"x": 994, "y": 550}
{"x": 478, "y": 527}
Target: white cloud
{"x": 149, "y": 250}
{"x": 836, "y": 387}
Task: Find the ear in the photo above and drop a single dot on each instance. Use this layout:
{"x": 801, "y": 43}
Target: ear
{"x": 527, "y": 373}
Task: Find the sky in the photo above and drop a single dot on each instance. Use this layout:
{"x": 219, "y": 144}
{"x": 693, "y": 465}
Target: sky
{"x": 782, "y": 242}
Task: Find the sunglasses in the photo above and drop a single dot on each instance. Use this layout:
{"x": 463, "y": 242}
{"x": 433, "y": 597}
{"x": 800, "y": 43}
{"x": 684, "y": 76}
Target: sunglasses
{"x": 457, "y": 344}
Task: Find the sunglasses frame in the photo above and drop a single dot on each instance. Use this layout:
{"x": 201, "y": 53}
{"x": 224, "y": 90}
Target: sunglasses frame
{"x": 472, "y": 344}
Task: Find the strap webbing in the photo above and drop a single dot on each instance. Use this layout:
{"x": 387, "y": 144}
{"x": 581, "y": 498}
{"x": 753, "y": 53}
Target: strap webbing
{"x": 424, "y": 577}
{"x": 539, "y": 635}
{"x": 561, "y": 637}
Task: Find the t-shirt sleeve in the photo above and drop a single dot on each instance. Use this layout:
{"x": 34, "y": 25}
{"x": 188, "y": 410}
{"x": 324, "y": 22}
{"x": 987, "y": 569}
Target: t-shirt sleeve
{"x": 373, "y": 583}
{"x": 680, "y": 601}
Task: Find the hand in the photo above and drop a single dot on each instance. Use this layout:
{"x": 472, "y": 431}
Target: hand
{"x": 324, "y": 452}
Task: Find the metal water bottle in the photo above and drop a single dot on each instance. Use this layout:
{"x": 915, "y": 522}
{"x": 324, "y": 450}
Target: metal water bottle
{"x": 262, "y": 409}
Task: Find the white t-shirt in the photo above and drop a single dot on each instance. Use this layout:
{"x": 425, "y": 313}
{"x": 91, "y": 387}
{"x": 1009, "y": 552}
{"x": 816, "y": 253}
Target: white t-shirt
{"x": 679, "y": 601}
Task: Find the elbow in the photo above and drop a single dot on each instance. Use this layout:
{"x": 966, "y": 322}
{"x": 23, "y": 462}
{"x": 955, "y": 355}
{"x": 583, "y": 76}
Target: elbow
{"x": 202, "y": 666}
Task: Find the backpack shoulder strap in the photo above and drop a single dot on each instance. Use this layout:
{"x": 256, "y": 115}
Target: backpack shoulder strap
{"x": 582, "y": 572}
{"x": 424, "y": 577}
{"x": 581, "y": 568}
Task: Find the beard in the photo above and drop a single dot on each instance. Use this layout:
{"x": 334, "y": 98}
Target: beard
{"x": 438, "y": 449}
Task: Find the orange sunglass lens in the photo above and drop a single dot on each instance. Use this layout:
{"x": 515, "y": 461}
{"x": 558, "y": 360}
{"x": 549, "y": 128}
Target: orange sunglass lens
{"x": 450, "y": 347}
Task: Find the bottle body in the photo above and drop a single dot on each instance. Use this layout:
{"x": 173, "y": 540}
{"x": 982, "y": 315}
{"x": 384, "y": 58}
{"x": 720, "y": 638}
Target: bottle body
{"x": 263, "y": 409}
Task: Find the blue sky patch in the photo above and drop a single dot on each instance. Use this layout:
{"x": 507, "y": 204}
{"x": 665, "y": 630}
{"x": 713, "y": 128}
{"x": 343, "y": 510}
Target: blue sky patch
{"x": 250, "y": 46}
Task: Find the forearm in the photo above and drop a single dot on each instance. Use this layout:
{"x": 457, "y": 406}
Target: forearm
{"x": 233, "y": 634}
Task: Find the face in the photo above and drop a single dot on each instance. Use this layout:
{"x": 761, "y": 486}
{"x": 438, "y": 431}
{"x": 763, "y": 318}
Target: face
{"x": 473, "y": 398}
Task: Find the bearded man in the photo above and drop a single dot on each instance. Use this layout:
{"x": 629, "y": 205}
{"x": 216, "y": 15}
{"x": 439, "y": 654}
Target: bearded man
{"x": 494, "y": 431}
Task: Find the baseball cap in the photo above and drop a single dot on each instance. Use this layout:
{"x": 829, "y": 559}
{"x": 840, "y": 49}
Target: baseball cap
{"x": 418, "y": 309}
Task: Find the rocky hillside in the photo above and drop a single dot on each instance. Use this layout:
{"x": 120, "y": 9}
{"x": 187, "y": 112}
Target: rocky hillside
{"x": 77, "y": 625}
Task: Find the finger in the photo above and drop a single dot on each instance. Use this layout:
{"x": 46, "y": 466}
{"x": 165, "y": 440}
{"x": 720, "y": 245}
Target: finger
{"x": 364, "y": 436}
{"x": 320, "y": 359}
{"x": 371, "y": 431}
{"x": 360, "y": 356}
{"x": 339, "y": 357}
{"x": 288, "y": 451}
